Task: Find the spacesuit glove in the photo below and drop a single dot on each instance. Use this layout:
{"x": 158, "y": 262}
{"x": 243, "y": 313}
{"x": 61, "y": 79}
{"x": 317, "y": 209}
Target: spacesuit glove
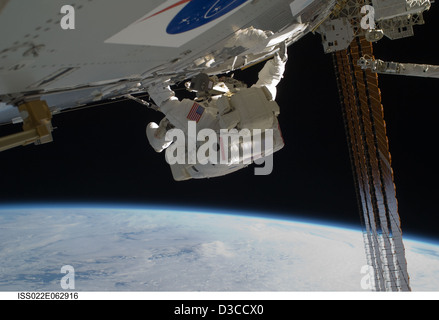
{"x": 161, "y": 85}
{"x": 282, "y": 55}
{"x": 161, "y": 92}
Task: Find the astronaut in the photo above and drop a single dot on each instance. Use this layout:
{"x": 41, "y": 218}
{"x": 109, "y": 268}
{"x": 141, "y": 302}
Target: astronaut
{"x": 222, "y": 104}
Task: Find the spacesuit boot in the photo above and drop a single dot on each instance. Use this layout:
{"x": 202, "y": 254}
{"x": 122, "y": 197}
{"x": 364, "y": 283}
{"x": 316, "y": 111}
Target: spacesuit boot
{"x": 157, "y": 137}
{"x": 180, "y": 173}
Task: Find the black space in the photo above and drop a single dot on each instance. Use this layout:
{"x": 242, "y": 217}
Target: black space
{"x": 101, "y": 155}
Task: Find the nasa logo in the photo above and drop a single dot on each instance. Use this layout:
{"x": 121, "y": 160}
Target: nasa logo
{"x": 200, "y": 12}
{"x": 175, "y": 23}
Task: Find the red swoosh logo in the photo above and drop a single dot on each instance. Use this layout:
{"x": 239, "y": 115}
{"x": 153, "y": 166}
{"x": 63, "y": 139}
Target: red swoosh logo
{"x": 166, "y": 9}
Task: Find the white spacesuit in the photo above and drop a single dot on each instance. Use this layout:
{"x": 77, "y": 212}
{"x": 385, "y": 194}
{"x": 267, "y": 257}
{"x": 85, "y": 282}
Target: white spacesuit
{"x": 250, "y": 110}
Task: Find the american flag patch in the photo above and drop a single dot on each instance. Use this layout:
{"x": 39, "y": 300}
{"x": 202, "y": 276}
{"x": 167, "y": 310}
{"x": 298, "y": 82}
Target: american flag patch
{"x": 196, "y": 113}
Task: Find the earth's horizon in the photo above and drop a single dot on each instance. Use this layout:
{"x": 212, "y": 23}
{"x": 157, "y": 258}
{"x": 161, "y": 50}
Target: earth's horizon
{"x": 170, "y": 249}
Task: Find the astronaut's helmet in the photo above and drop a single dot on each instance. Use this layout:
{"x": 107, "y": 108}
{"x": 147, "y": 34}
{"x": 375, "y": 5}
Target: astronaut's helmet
{"x": 201, "y": 83}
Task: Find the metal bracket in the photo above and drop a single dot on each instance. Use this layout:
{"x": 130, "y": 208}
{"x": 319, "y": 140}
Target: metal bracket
{"x": 37, "y": 126}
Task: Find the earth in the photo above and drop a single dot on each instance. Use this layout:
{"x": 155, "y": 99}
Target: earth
{"x": 156, "y": 249}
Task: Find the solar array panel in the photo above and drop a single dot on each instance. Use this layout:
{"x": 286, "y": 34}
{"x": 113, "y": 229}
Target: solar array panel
{"x": 373, "y": 175}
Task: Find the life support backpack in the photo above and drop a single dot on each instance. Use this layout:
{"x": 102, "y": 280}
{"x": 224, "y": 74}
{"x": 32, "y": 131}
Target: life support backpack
{"x": 251, "y": 108}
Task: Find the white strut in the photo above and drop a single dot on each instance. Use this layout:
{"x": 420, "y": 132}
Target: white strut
{"x": 404, "y": 69}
